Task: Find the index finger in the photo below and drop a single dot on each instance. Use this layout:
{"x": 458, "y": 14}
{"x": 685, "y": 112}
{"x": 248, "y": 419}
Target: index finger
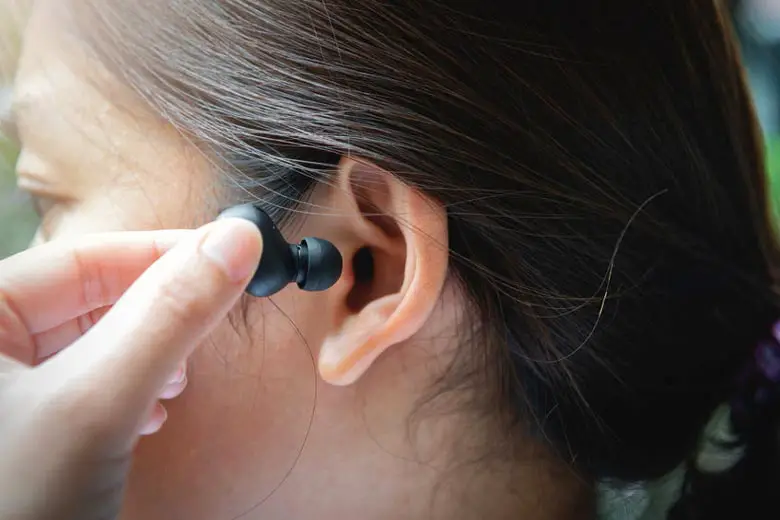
{"x": 122, "y": 364}
{"x": 58, "y": 281}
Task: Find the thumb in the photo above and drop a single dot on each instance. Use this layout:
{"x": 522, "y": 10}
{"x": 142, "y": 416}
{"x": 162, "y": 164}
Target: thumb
{"x": 131, "y": 353}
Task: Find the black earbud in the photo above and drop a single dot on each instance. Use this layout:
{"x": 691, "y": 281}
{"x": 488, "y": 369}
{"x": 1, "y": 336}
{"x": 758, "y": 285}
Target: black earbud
{"x": 314, "y": 264}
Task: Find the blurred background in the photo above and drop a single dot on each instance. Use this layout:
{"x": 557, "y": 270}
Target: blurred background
{"x": 757, "y": 23}
{"x": 17, "y": 219}
{"x": 758, "y": 28}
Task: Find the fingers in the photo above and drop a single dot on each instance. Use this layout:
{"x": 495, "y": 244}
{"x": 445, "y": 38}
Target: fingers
{"x": 176, "y": 385}
{"x": 171, "y": 308}
{"x": 15, "y": 341}
{"x": 10, "y": 365}
{"x": 159, "y": 414}
{"x": 59, "y": 281}
{"x": 155, "y": 421}
{"x": 51, "y": 341}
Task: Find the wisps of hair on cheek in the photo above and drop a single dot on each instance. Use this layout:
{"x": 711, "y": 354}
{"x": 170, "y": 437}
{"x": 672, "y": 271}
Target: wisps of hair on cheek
{"x": 238, "y": 318}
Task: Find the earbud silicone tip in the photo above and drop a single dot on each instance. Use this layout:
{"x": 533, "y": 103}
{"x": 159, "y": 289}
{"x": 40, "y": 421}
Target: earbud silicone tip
{"x": 324, "y": 265}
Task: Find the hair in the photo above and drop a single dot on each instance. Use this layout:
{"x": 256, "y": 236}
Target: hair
{"x": 602, "y": 173}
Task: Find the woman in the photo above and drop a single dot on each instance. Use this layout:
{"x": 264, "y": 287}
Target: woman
{"x": 555, "y": 228}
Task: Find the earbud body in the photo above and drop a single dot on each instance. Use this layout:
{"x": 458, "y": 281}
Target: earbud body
{"x": 314, "y": 264}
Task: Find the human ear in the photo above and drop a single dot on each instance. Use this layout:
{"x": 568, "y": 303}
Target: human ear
{"x": 395, "y": 246}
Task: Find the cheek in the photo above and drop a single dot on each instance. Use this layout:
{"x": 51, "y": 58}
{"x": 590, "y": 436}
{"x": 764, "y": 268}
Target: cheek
{"x": 237, "y": 429}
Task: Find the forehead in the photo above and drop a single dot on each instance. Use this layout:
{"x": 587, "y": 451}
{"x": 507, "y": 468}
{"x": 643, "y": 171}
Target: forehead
{"x": 53, "y": 60}
{"x": 62, "y": 89}
{"x": 59, "y": 103}
{"x": 92, "y": 128}
{"x": 58, "y": 64}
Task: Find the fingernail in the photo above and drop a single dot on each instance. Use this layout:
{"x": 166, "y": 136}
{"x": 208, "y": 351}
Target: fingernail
{"x": 225, "y": 245}
{"x": 155, "y": 422}
{"x": 173, "y": 390}
{"x": 178, "y": 376}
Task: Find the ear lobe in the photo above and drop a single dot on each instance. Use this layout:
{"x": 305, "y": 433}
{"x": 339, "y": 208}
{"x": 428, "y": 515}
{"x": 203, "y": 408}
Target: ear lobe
{"x": 406, "y": 233}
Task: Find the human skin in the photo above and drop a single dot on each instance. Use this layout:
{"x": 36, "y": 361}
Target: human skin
{"x": 76, "y": 393}
{"x": 269, "y": 427}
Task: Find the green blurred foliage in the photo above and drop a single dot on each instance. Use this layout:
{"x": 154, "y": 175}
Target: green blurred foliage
{"x": 773, "y": 169}
{"x": 17, "y": 218}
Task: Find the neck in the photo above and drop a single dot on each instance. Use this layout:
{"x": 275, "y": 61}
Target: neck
{"x": 383, "y": 479}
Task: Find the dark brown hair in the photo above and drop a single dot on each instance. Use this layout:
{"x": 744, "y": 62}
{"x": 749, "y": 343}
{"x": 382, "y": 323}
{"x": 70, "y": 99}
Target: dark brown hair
{"x": 602, "y": 172}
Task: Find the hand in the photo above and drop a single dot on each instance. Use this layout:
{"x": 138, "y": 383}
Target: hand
{"x": 75, "y": 395}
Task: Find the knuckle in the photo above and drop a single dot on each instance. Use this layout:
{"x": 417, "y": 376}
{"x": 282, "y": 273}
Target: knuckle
{"x": 87, "y": 321}
{"x": 15, "y": 339}
{"x": 91, "y": 280}
{"x": 8, "y": 313}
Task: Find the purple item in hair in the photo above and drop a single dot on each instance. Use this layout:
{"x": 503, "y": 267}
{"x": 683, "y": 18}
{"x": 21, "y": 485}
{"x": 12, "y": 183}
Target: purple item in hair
{"x": 768, "y": 357}
{"x": 759, "y": 383}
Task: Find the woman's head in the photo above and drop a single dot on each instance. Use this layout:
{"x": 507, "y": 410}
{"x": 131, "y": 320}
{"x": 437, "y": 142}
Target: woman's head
{"x": 552, "y": 214}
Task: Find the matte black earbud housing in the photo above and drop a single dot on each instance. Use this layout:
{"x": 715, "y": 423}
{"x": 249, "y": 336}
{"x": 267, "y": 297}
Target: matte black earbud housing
{"x": 314, "y": 264}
